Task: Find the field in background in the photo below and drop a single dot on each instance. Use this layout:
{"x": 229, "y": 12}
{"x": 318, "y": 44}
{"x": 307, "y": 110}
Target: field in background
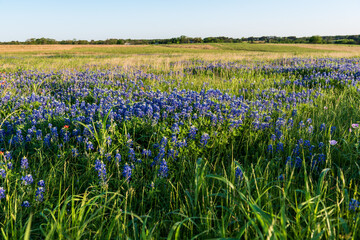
{"x": 48, "y": 57}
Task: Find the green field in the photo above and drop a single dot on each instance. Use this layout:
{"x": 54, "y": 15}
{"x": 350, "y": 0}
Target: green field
{"x": 197, "y": 141}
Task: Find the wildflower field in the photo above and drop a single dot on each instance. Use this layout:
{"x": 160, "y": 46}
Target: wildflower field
{"x": 199, "y": 149}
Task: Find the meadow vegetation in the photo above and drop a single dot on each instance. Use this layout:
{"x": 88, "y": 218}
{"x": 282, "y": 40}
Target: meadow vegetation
{"x": 203, "y": 141}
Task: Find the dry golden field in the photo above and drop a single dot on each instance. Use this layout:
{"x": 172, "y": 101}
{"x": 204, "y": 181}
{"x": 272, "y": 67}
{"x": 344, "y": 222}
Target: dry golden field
{"x": 158, "y": 56}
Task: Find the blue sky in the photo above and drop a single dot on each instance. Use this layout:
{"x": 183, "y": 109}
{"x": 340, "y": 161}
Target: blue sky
{"x": 140, "y": 19}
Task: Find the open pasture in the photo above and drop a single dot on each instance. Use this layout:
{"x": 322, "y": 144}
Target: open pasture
{"x": 230, "y": 141}
{"x": 57, "y": 57}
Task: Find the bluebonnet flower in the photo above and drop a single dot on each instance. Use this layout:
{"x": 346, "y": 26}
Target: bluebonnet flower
{"x": 280, "y": 122}
{"x": 297, "y": 163}
{"x": 172, "y": 153}
{"x": 321, "y": 144}
{"x": 278, "y": 134}
{"x": 8, "y": 156}
{"x": 273, "y": 137}
{"x": 301, "y": 124}
{"x": 79, "y": 139}
{"x": 3, "y": 173}
{"x": 290, "y": 123}
{"x": 267, "y": 119}
{"x": 108, "y": 141}
{"x": 280, "y": 147}
{"x": 160, "y": 155}
{"x": 175, "y": 128}
{"x": 75, "y": 152}
{"x": 353, "y": 204}
{"x": 66, "y": 136}
{"x": 2, "y": 135}
{"x": 129, "y": 142}
{"x": 281, "y": 177}
{"x": 269, "y": 148}
{"x": 181, "y": 144}
{"x": 256, "y": 125}
{"x": 163, "y": 170}
{"x": 39, "y": 194}
{"x": 238, "y": 174}
{"x": 89, "y": 145}
{"x": 76, "y": 132}
{"x": 87, "y": 132}
{"x": 39, "y": 135}
{"x": 333, "y": 128}
{"x": 41, "y": 183}
{"x": 27, "y": 180}
{"x": 19, "y": 136}
{"x": 100, "y": 167}
{"x": 311, "y": 147}
{"x": 163, "y": 142}
{"x": 322, "y": 127}
{"x": 117, "y": 158}
{"x": 28, "y": 138}
{"x": 131, "y": 154}
{"x": 162, "y": 151}
{"x": 309, "y": 121}
{"x": 24, "y": 163}
{"x": 47, "y": 139}
{"x": 2, "y": 193}
{"x": 204, "y": 139}
{"x": 146, "y": 153}
{"x": 10, "y": 165}
{"x": 54, "y": 133}
{"x": 173, "y": 138}
{"x": 108, "y": 156}
{"x": 25, "y": 204}
{"x": 13, "y": 140}
{"x": 127, "y": 172}
{"x": 310, "y": 129}
{"x": 321, "y": 157}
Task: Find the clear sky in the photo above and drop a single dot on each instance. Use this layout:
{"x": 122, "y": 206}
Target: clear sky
{"x": 140, "y": 19}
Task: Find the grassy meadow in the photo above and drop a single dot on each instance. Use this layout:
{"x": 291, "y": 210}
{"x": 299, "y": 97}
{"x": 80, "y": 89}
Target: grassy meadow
{"x": 197, "y": 141}
{"x": 50, "y": 57}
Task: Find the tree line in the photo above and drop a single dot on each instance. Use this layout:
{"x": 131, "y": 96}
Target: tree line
{"x": 347, "y": 39}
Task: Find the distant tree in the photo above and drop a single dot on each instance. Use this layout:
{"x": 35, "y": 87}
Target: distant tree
{"x": 315, "y": 39}
{"x": 82, "y": 42}
{"x": 197, "y": 40}
{"x": 184, "y": 39}
{"x": 345, "y": 41}
{"x": 111, "y": 41}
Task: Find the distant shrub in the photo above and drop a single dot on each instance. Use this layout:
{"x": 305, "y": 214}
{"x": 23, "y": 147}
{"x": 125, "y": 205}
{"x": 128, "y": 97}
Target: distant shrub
{"x": 315, "y": 39}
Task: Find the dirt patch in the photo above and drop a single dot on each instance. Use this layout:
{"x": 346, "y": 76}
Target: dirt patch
{"x": 192, "y": 46}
